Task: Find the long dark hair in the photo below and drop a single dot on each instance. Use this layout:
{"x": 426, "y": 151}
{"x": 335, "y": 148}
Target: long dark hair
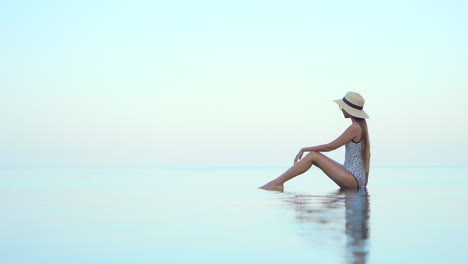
{"x": 366, "y": 154}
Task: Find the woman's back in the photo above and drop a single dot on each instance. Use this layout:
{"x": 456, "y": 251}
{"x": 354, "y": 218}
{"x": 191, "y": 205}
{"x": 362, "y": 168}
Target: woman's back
{"x": 354, "y": 162}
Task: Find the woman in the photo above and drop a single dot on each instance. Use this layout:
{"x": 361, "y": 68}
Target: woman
{"x": 355, "y": 171}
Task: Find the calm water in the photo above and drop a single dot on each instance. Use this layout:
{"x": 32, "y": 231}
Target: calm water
{"x": 406, "y": 215}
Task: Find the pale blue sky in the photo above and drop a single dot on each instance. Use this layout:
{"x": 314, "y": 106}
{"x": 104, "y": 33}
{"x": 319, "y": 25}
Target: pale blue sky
{"x": 229, "y": 83}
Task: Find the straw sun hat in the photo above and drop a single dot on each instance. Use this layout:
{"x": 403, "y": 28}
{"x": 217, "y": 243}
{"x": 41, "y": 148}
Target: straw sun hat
{"x": 353, "y": 104}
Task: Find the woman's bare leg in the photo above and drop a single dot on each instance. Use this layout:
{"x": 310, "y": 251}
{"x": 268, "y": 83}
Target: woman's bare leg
{"x": 332, "y": 169}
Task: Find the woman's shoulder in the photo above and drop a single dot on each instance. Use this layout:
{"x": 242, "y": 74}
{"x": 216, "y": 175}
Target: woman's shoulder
{"x": 356, "y": 129}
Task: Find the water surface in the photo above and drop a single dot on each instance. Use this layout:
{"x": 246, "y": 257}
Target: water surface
{"x": 216, "y": 215}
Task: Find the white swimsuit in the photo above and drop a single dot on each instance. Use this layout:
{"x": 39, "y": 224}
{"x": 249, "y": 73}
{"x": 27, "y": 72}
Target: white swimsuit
{"x": 354, "y": 162}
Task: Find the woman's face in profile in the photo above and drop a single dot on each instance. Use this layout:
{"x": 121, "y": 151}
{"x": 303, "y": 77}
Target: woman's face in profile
{"x": 345, "y": 114}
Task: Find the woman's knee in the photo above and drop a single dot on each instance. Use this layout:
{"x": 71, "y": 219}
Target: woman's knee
{"x": 312, "y": 156}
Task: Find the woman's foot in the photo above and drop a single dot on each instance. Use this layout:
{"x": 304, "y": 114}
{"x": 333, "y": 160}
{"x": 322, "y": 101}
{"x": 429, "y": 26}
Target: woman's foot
{"x": 273, "y": 186}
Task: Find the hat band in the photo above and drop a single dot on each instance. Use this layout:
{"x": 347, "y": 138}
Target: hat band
{"x": 351, "y": 104}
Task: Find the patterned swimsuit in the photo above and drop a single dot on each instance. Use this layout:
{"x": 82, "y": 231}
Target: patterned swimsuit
{"x": 354, "y": 162}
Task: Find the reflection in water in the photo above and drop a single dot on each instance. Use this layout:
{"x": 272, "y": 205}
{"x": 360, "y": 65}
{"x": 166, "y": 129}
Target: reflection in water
{"x": 321, "y": 219}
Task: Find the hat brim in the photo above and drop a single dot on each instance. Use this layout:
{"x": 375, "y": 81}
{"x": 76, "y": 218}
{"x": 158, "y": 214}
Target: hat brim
{"x": 352, "y": 111}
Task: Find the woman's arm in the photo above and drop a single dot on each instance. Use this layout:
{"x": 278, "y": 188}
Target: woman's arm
{"x": 349, "y": 134}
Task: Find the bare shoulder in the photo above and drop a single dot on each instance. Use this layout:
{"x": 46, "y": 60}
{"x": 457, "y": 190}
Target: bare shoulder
{"x": 356, "y": 130}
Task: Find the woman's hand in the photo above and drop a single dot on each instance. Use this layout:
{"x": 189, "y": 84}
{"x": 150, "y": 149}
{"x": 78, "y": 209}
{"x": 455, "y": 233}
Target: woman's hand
{"x": 299, "y": 156}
